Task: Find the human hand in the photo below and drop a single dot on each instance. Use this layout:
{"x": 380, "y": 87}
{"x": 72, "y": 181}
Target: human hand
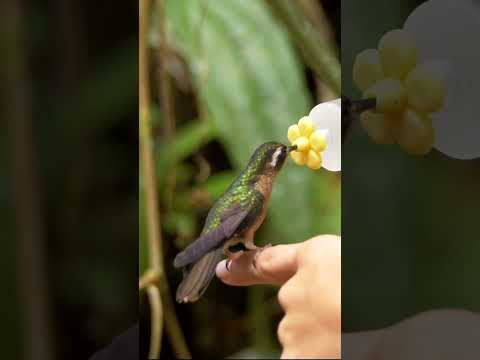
{"x": 310, "y": 277}
{"x": 439, "y": 334}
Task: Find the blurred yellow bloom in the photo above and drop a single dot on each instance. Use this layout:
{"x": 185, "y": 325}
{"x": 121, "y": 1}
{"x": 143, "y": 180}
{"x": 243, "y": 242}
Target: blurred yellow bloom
{"x": 415, "y": 133}
{"x": 378, "y": 126}
{"x": 425, "y": 89}
{"x": 367, "y": 69}
{"x": 398, "y": 53}
{"x": 390, "y": 95}
{"x": 406, "y": 93}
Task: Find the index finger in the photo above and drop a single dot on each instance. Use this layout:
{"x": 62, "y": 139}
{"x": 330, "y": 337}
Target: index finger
{"x": 273, "y": 265}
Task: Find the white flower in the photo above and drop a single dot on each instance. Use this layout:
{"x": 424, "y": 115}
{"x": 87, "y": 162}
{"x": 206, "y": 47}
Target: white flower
{"x": 327, "y": 116}
{"x": 318, "y": 137}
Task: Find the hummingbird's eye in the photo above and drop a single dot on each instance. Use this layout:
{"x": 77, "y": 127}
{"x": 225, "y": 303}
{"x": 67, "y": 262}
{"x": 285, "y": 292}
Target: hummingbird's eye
{"x": 276, "y": 158}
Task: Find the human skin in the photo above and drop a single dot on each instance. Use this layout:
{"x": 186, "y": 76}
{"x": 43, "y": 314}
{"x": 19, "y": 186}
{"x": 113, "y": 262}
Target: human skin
{"x": 441, "y": 334}
{"x": 310, "y": 277}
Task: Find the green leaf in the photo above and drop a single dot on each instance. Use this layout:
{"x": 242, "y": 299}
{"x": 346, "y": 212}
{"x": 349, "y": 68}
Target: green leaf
{"x": 250, "y": 79}
{"x": 193, "y": 136}
{"x": 188, "y": 139}
{"x": 216, "y": 184}
{"x": 180, "y": 223}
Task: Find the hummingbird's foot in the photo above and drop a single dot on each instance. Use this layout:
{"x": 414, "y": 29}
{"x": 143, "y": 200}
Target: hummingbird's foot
{"x": 252, "y": 247}
{"x": 231, "y": 256}
{"x": 258, "y": 250}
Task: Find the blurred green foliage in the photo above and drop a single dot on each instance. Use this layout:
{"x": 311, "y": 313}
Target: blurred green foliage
{"x": 250, "y": 80}
{"x": 409, "y": 227}
{"x": 72, "y": 81}
{"x": 248, "y": 84}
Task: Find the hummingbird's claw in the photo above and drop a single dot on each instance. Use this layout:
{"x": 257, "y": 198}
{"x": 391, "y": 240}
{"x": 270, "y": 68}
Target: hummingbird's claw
{"x": 227, "y": 264}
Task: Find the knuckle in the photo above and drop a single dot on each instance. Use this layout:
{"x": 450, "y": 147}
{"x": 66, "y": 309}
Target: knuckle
{"x": 282, "y": 332}
{"x": 324, "y": 244}
{"x": 309, "y": 251}
{"x": 283, "y": 297}
{"x": 287, "y": 332}
{"x": 265, "y": 265}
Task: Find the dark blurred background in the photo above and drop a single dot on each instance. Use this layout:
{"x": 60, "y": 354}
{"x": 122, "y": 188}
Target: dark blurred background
{"x": 237, "y": 78}
{"x": 410, "y": 224}
{"x": 68, "y": 176}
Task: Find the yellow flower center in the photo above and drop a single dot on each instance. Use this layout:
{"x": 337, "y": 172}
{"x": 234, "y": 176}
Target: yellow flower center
{"x": 309, "y": 141}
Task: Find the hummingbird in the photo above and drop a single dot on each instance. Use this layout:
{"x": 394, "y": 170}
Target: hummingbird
{"x": 232, "y": 221}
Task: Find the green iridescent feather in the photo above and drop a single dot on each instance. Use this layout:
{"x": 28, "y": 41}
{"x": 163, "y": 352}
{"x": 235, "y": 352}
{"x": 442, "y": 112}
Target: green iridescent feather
{"x": 241, "y": 192}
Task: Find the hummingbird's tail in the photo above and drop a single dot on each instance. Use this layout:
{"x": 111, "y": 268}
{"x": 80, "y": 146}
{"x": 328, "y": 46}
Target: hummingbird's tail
{"x": 197, "y": 276}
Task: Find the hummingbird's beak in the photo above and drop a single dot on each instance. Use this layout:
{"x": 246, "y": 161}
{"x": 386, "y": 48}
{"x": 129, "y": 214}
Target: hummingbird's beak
{"x": 291, "y": 148}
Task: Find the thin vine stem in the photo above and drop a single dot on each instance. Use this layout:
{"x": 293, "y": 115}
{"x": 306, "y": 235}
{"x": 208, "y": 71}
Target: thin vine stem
{"x": 155, "y": 275}
{"x": 155, "y": 300}
{"x": 146, "y": 146}
{"x": 172, "y": 325}
{"x": 149, "y": 179}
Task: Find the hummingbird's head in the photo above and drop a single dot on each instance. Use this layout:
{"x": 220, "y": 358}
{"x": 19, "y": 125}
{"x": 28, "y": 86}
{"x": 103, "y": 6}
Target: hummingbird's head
{"x": 270, "y": 157}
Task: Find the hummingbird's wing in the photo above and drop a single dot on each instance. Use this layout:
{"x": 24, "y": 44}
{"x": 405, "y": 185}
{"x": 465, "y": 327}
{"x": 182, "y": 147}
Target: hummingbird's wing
{"x": 230, "y": 223}
{"x": 200, "y": 259}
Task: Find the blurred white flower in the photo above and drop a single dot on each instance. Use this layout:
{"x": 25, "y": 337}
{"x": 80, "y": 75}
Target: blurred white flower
{"x": 447, "y": 31}
{"x": 425, "y": 80}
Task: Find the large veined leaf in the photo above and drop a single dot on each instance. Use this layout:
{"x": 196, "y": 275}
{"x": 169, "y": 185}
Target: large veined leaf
{"x": 250, "y": 79}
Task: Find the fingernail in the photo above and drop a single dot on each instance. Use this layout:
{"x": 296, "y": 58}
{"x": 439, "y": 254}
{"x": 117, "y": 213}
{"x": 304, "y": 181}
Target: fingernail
{"x": 222, "y": 270}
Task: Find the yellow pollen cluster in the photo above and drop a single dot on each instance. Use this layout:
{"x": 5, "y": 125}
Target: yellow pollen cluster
{"x": 406, "y": 93}
{"x": 310, "y": 143}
